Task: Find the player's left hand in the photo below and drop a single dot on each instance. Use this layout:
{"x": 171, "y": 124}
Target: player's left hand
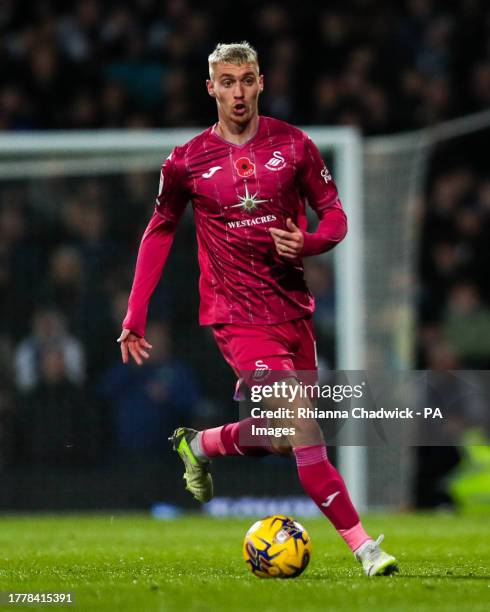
{"x": 289, "y": 243}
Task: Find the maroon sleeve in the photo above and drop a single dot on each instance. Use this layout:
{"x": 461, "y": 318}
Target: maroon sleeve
{"x": 320, "y": 190}
{"x": 156, "y": 243}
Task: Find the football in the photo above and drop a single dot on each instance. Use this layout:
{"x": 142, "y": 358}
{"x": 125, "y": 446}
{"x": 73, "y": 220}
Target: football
{"x": 277, "y": 547}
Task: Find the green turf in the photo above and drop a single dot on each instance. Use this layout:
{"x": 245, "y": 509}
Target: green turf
{"x": 137, "y": 563}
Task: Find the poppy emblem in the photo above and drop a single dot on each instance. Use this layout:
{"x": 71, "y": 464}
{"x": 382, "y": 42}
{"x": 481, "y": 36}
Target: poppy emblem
{"x": 244, "y": 167}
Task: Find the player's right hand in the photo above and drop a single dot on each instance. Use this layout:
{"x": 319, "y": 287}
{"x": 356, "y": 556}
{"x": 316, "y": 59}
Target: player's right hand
{"x": 133, "y": 345}
{"x": 289, "y": 243}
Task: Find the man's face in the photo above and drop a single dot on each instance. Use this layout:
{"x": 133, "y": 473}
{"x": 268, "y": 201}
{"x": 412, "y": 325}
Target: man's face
{"x": 236, "y": 89}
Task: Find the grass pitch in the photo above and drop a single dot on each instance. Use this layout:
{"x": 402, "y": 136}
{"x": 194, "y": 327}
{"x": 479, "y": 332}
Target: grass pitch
{"x": 194, "y": 563}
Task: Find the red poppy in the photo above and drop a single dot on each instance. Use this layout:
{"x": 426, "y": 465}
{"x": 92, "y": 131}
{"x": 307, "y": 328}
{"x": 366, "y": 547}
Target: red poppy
{"x": 244, "y": 167}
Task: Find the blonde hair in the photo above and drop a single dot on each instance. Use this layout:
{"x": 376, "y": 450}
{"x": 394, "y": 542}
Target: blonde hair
{"x": 233, "y": 53}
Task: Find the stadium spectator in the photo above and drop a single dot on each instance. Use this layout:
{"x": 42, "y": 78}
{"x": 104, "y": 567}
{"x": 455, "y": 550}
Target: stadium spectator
{"x": 57, "y": 421}
{"x": 48, "y": 330}
{"x": 466, "y": 325}
{"x": 64, "y": 286}
{"x": 147, "y": 403}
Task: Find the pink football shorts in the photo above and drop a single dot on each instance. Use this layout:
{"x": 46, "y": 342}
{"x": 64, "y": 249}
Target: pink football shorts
{"x": 260, "y": 354}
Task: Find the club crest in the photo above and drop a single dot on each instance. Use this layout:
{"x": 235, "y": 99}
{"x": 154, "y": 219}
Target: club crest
{"x": 276, "y": 162}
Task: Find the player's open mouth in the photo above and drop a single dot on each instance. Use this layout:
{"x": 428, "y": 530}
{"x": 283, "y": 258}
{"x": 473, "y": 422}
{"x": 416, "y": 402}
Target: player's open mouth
{"x": 239, "y": 109}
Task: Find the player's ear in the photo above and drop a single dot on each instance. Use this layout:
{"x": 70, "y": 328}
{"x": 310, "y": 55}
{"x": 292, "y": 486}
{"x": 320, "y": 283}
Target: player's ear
{"x": 261, "y": 83}
{"x": 210, "y": 87}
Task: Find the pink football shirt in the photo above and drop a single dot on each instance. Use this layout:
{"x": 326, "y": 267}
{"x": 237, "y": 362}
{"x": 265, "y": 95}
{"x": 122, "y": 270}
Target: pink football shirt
{"x": 238, "y": 192}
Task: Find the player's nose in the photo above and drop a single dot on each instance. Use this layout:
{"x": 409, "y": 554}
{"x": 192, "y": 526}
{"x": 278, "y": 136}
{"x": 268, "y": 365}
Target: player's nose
{"x": 238, "y": 91}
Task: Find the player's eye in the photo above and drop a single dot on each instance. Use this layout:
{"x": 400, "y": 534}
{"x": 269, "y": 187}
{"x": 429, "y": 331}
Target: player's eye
{"x": 249, "y": 81}
{"x": 227, "y": 83}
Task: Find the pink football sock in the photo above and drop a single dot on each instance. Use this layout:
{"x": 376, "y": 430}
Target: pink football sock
{"x": 355, "y": 536}
{"x": 327, "y": 489}
{"x": 236, "y": 439}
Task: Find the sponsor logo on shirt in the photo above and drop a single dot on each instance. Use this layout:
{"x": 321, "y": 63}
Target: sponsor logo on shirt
{"x": 327, "y": 177}
{"x": 276, "y": 162}
{"x": 212, "y": 171}
{"x": 244, "y": 167}
{"x": 252, "y": 222}
{"x": 262, "y": 370}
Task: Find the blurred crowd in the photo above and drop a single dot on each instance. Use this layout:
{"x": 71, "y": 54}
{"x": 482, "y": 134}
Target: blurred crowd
{"x": 65, "y": 271}
{"x": 454, "y": 291}
{"x": 378, "y": 64}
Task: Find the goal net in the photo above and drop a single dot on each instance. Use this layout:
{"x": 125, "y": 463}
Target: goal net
{"x": 395, "y": 174}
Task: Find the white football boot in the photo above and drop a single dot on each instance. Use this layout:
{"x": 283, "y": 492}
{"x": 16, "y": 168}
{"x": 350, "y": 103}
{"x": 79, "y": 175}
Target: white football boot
{"x": 375, "y": 562}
